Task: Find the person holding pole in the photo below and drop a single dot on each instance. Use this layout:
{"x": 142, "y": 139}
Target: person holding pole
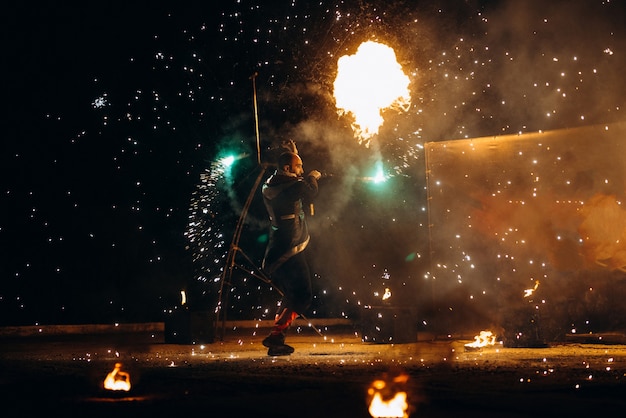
{"x": 284, "y": 260}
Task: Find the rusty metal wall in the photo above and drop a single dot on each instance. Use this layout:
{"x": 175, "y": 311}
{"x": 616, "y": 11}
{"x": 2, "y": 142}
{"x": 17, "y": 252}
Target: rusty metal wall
{"x": 528, "y": 232}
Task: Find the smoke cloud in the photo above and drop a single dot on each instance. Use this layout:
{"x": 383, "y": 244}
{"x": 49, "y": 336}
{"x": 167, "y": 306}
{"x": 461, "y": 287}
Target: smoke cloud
{"x": 476, "y": 70}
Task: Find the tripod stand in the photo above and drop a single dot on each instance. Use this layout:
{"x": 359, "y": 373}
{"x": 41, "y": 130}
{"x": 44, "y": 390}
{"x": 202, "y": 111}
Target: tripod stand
{"x": 231, "y": 257}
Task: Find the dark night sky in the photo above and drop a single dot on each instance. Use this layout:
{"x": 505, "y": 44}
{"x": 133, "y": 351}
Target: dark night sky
{"x": 75, "y": 203}
{"x": 112, "y": 111}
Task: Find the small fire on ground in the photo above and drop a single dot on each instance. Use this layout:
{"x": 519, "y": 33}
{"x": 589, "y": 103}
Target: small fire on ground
{"x": 117, "y": 379}
{"x": 388, "y": 397}
{"x": 484, "y": 339}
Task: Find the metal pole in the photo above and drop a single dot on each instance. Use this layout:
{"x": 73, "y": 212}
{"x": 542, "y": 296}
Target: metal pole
{"x": 256, "y": 118}
{"x": 234, "y": 246}
{"x": 430, "y": 226}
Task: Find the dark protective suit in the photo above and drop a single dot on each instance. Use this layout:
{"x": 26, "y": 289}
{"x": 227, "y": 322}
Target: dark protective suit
{"x": 284, "y": 261}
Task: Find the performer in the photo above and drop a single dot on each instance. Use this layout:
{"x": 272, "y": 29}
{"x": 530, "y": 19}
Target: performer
{"x": 285, "y": 261}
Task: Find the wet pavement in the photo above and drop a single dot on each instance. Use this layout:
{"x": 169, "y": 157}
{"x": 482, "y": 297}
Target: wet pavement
{"x": 62, "y": 373}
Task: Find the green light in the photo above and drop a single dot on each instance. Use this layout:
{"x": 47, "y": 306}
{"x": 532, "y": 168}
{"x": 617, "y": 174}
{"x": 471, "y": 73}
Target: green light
{"x": 228, "y": 161}
{"x": 380, "y": 176}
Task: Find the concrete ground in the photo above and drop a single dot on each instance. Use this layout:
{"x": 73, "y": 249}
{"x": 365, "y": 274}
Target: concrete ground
{"x": 60, "y": 371}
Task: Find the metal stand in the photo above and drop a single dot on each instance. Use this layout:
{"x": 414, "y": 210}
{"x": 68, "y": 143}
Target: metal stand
{"x": 227, "y": 272}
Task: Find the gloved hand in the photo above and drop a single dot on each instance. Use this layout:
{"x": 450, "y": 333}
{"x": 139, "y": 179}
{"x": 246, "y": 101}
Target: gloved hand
{"x": 315, "y": 173}
{"x": 289, "y": 145}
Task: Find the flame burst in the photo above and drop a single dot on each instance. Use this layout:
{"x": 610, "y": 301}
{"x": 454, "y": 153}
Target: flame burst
{"x": 117, "y": 379}
{"x": 367, "y": 83}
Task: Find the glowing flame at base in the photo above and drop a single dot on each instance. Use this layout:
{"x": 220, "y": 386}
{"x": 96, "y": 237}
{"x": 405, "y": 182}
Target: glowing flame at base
{"x": 383, "y": 404}
{"x": 367, "y": 83}
{"x": 117, "y": 379}
{"x": 395, "y": 407}
{"x": 484, "y": 339}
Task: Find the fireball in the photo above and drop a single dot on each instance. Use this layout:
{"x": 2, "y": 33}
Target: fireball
{"x": 368, "y": 83}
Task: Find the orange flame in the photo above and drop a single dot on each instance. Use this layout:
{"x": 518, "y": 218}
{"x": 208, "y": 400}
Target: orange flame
{"x": 117, "y": 379}
{"x": 394, "y": 407}
{"x": 367, "y": 83}
{"x": 484, "y": 339}
{"x": 384, "y": 405}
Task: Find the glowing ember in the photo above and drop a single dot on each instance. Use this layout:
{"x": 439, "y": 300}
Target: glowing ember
{"x": 529, "y": 292}
{"x": 387, "y": 294}
{"x": 387, "y": 400}
{"x": 483, "y": 339}
{"x": 366, "y": 84}
{"x": 117, "y": 379}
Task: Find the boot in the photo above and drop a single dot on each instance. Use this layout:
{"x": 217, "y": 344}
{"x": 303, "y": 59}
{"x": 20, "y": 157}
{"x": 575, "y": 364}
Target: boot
{"x": 275, "y": 342}
{"x": 276, "y": 345}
